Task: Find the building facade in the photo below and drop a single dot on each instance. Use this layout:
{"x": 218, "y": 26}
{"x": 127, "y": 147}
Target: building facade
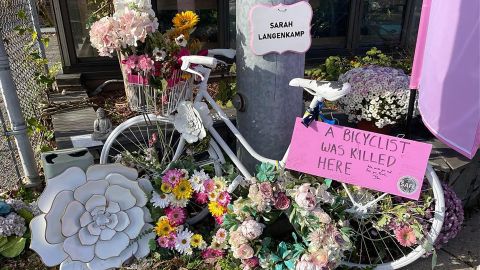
{"x": 338, "y": 27}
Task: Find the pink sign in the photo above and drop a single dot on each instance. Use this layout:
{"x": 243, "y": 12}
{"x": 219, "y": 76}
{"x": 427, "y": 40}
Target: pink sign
{"x": 371, "y": 160}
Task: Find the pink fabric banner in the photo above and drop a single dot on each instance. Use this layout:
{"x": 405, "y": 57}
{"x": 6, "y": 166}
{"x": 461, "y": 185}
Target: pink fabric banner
{"x": 420, "y": 45}
{"x": 449, "y": 96}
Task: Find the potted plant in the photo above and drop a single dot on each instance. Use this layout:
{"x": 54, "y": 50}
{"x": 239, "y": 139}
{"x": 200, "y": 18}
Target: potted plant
{"x": 379, "y": 97}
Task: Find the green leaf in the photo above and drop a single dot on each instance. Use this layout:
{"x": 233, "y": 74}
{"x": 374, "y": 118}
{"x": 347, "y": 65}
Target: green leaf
{"x": 22, "y": 14}
{"x": 279, "y": 267}
{"x": 24, "y": 213}
{"x": 152, "y": 244}
{"x": 383, "y": 220}
{"x": 282, "y": 249}
{"x": 274, "y": 258}
{"x": 328, "y": 182}
{"x": 434, "y": 259}
{"x": 290, "y": 264}
{"x": 13, "y": 247}
{"x": 3, "y": 241}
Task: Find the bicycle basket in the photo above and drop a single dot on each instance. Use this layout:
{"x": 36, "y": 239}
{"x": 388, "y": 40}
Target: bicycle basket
{"x": 144, "y": 98}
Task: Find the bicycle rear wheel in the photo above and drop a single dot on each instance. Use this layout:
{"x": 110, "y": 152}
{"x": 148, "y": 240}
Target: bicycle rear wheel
{"x": 376, "y": 228}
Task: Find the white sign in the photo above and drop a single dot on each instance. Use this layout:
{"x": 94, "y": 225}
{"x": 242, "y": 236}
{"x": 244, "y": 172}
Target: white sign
{"x": 280, "y": 28}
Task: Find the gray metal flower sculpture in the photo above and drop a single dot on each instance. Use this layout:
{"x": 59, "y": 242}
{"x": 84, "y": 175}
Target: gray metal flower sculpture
{"x": 93, "y": 220}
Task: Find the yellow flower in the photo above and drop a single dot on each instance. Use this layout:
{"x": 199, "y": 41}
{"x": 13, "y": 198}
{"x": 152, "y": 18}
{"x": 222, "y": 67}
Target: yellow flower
{"x": 185, "y": 20}
{"x": 183, "y": 190}
{"x": 163, "y": 227}
{"x": 166, "y": 188}
{"x": 196, "y": 241}
{"x": 216, "y": 209}
{"x": 220, "y": 184}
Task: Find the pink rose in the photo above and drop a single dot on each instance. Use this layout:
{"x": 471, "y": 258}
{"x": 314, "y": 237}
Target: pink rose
{"x": 266, "y": 190}
{"x": 236, "y": 239}
{"x": 305, "y": 197}
{"x": 251, "y": 263}
{"x": 282, "y": 202}
{"x": 243, "y": 252}
{"x": 251, "y": 229}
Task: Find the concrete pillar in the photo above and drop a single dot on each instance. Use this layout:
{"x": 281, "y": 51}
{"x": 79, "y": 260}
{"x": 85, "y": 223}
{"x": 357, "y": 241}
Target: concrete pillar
{"x": 271, "y": 105}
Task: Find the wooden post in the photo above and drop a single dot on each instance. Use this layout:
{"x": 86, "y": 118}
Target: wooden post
{"x": 271, "y": 105}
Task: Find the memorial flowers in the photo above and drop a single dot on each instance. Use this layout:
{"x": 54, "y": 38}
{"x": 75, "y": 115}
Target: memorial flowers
{"x": 306, "y": 204}
{"x": 379, "y": 95}
{"x": 176, "y": 190}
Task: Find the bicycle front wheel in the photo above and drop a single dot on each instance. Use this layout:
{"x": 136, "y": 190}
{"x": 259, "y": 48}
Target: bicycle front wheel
{"x": 390, "y": 232}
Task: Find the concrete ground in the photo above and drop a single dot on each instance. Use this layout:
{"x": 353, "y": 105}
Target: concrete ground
{"x": 463, "y": 252}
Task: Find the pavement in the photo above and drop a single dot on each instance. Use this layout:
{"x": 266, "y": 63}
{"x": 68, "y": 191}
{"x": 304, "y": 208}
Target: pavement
{"x": 462, "y": 252}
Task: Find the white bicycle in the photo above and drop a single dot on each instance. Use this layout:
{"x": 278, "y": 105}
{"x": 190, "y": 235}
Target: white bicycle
{"x": 372, "y": 247}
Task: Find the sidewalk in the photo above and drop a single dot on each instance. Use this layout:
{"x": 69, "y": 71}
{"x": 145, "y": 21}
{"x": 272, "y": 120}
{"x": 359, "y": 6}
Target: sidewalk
{"x": 463, "y": 252}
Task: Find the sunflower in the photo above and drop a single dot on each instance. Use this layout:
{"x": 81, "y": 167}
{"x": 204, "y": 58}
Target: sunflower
{"x": 185, "y": 20}
{"x": 196, "y": 240}
{"x": 183, "y": 190}
{"x": 163, "y": 227}
{"x": 166, "y": 188}
{"x": 216, "y": 209}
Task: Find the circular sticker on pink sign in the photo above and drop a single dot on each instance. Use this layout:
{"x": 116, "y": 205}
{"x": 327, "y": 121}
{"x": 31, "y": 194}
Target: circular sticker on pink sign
{"x": 407, "y": 184}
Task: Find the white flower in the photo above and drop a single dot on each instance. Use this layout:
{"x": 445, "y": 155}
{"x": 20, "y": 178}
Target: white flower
{"x": 251, "y": 229}
{"x": 189, "y": 123}
{"x": 159, "y": 54}
{"x": 92, "y": 220}
{"x": 178, "y": 203}
{"x": 181, "y": 41}
{"x": 197, "y": 180}
{"x": 161, "y": 200}
{"x": 182, "y": 242}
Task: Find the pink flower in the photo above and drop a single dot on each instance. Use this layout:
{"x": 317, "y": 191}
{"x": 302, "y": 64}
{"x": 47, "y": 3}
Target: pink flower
{"x": 211, "y": 253}
{"x": 224, "y": 198}
{"x": 251, "y": 263}
{"x": 282, "y": 202}
{"x": 236, "y": 239}
{"x": 209, "y": 185}
{"x": 201, "y": 197}
{"x": 103, "y": 36}
{"x": 177, "y": 216}
{"x": 130, "y": 63}
{"x": 172, "y": 177}
{"x": 219, "y": 220}
{"x": 167, "y": 241}
{"x": 145, "y": 63}
{"x": 243, "y": 252}
{"x": 405, "y": 236}
{"x": 266, "y": 190}
{"x": 221, "y": 235}
{"x": 251, "y": 229}
{"x": 305, "y": 197}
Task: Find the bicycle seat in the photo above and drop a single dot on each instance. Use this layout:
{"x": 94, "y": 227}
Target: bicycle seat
{"x": 329, "y": 90}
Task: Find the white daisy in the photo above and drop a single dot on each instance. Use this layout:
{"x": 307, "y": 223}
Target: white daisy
{"x": 178, "y": 203}
{"x": 182, "y": 242}
{"x": 197, "y": 180}
{"x": 161, "y": 200}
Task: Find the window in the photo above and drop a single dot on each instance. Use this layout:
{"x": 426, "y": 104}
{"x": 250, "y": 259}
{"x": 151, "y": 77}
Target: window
{"x": 207, "y": 10}
{"x": 382, "y": 21}
{"x": 79, "y": 13}
{"x": 330, "y": 22}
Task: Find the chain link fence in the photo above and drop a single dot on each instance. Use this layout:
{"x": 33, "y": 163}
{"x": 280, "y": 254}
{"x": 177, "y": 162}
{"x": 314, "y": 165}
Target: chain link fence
{"x": 24, "y": 72}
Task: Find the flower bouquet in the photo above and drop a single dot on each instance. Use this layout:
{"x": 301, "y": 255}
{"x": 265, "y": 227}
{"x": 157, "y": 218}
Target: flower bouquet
{"x": 150, "y": 60}
{"x": 318, "y": 240}
{"x": 178, "y": 197}
{"x": 379, "y": 95}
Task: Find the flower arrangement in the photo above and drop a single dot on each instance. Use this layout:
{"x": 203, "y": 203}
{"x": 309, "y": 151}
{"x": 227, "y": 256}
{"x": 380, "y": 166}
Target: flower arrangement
{"x": 379, "y": 95}
{"x": 14, "y": 217}
{"x": 323, "y": 240}
{"x": 177, "y": 188}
